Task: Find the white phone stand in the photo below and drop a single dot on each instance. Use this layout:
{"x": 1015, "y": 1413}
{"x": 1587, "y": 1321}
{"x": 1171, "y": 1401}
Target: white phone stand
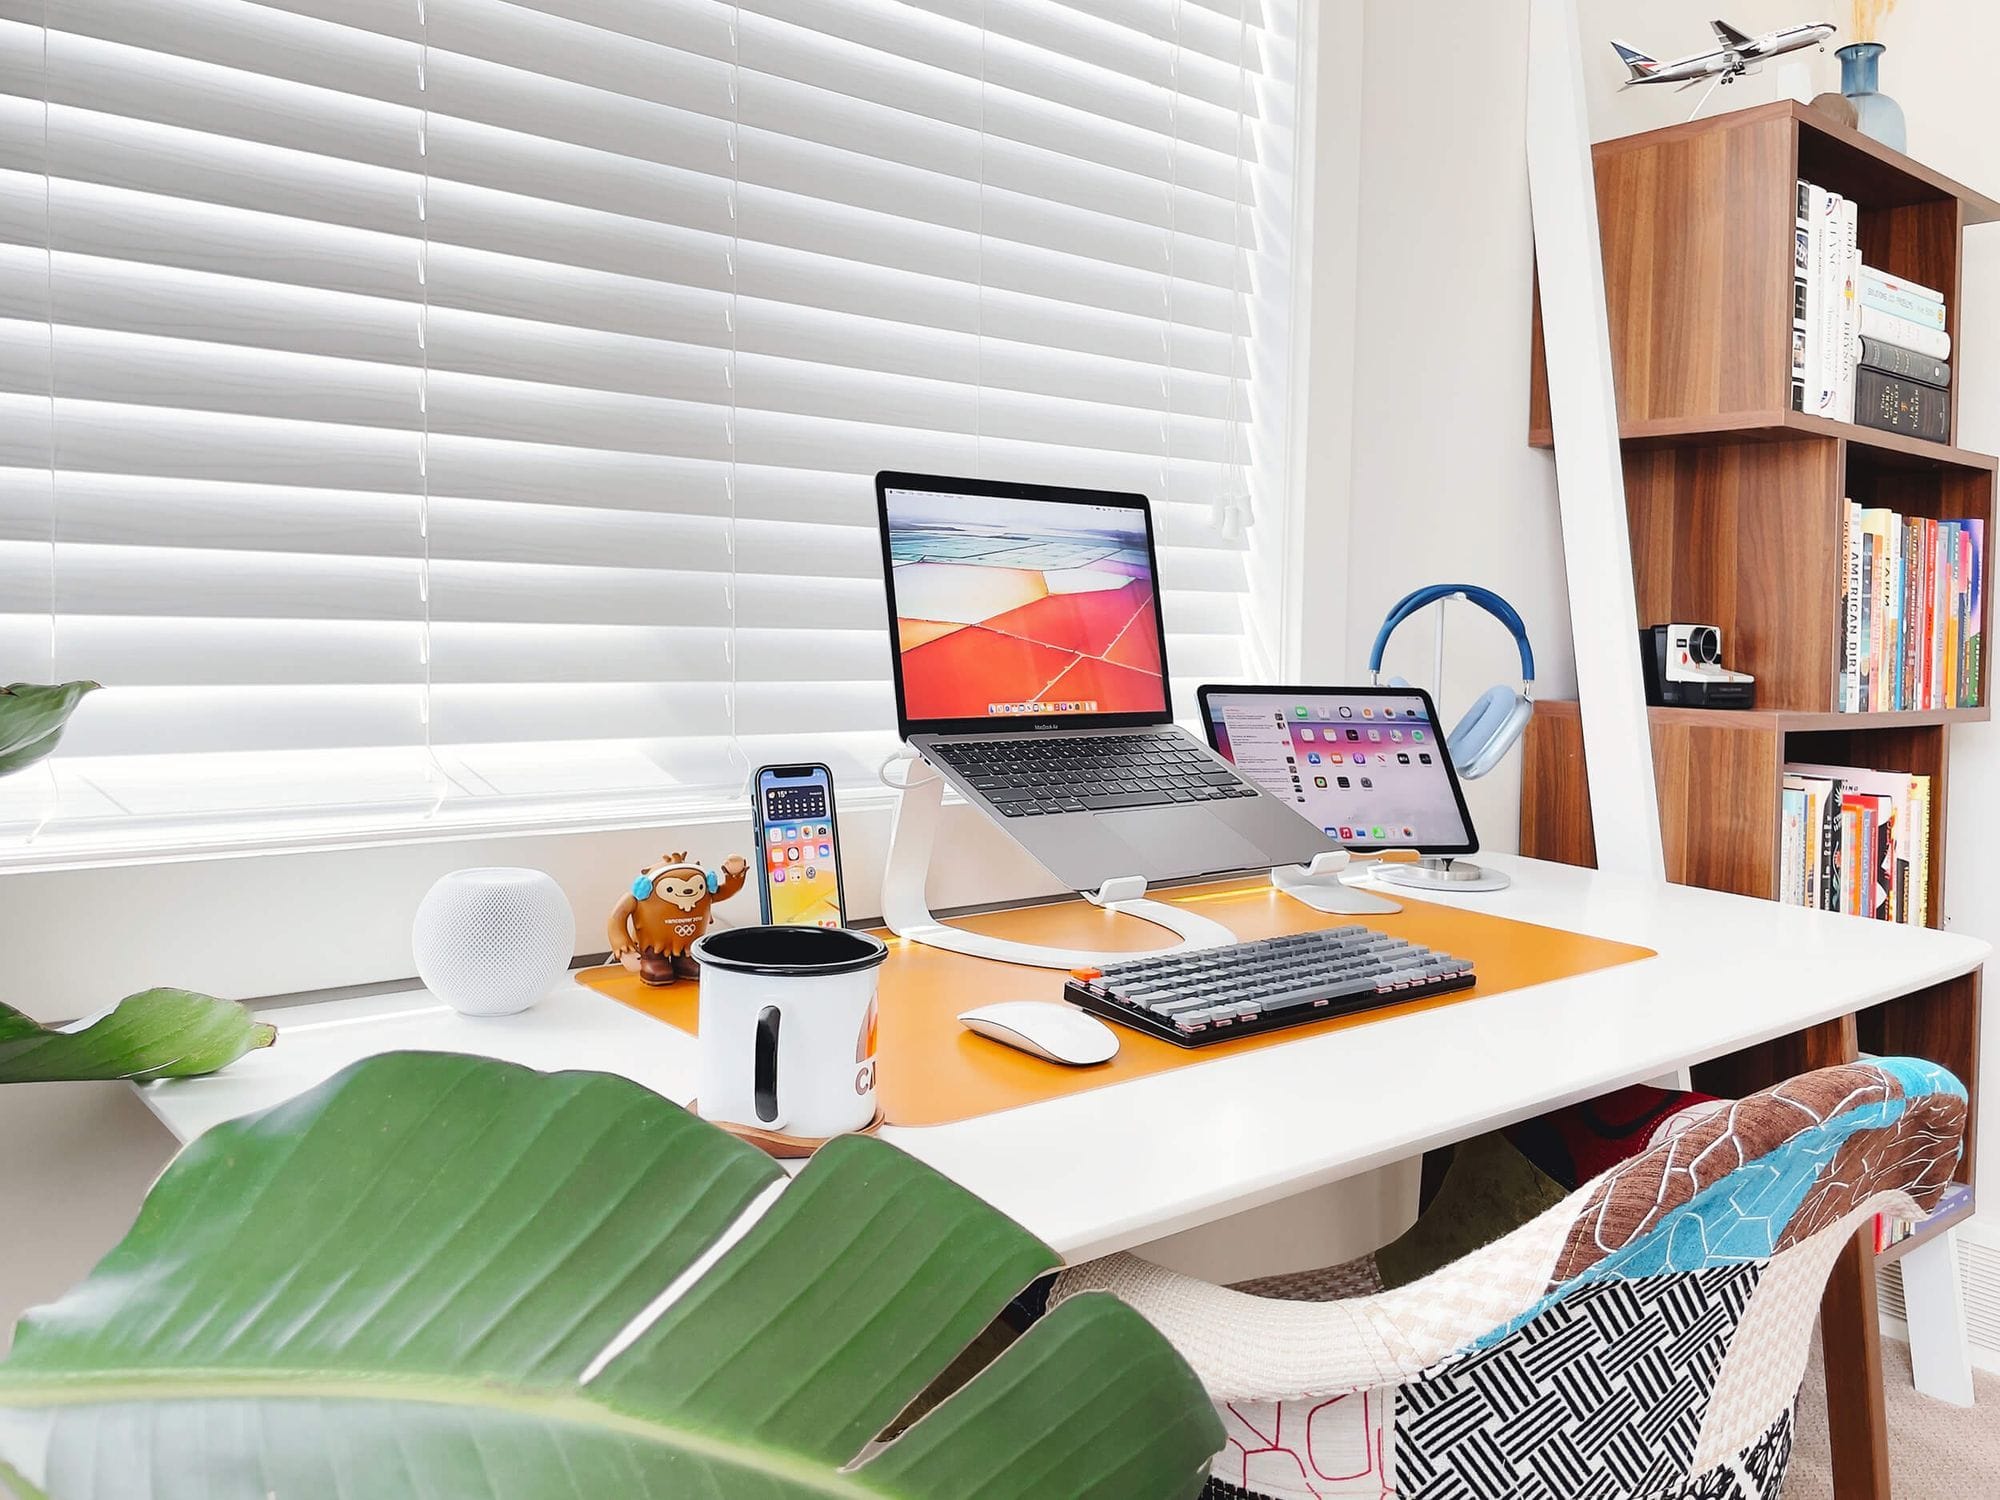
{"x": 1319, "y": 886}
{"x": 1440, "y": 873}
{"x": 907, "y": 913}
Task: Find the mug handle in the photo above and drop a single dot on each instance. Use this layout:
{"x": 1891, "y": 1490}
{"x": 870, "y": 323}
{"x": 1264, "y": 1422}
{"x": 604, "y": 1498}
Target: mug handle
{"x": 764, "y": 1086}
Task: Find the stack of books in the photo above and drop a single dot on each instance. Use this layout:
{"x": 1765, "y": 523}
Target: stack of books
{"x": 1867, "y": 347}
{"x": 1912, "y": 612}
{"x": 1857, "y": 841}
{"x": 1890, "y": 1230}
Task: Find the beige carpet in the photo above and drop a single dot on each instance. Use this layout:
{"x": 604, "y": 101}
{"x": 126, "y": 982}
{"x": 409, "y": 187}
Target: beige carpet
{"x": 1936, "y": 1451}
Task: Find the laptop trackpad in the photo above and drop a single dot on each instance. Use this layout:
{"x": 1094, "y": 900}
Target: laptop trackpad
{"x": 1173, "y": 841}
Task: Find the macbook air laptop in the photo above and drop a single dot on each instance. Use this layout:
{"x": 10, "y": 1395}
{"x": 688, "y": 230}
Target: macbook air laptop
{"x": 1031, "y": 669}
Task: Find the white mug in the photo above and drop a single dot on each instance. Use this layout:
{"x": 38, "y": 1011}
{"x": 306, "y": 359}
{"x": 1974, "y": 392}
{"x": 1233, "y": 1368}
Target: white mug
{"x": 787, "y": 1028}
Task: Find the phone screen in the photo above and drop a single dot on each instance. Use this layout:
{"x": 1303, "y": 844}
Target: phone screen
{"x": 799, "y": 846}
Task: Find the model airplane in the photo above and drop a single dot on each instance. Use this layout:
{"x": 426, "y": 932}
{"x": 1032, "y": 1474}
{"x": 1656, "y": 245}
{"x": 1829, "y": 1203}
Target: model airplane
{"x": 1729, "y": 61}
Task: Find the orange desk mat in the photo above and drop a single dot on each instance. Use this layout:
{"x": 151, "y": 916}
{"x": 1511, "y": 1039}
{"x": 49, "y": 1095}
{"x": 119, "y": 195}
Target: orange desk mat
{"x": 932, "y": 1071}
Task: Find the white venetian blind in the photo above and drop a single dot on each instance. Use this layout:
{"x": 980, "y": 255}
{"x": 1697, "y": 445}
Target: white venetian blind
{"x": 459, "y": 411}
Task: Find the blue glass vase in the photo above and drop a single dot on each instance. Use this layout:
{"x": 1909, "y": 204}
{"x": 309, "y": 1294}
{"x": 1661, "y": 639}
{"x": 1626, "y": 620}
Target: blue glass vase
{"x": 1881, "y": 118}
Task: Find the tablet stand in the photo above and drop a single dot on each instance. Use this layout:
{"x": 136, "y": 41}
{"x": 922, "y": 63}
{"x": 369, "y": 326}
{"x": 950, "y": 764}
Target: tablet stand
{"x": 1439, "y": 873}
{"x": 907, "y": 912}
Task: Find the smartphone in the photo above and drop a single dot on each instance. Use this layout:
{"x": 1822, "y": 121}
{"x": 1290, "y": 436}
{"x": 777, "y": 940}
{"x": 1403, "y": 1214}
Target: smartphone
{"x": 798, "y": 846}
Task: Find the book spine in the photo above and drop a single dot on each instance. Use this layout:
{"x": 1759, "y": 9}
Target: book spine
{"x": 1814, "y": 828}
{"x": 1829, "y": 852}
{"x": 1865, "y": 657}
{"x": 1883, "y": 279}
{"x": 1851, "y": 599}
{"x": 1942, "y": 565}
{"x": 1975, "y": 609}
{"x": 1893, "y": 670}
{"x": 1901, "y": 304}
{"x": 1913, "y": 616}
{"x": 1826, "y": 315}
{"x": 1878, "y": 849}
{"x": 1921, "y": 800}
{"x": 1954, "y": 539}
{"x": 1927, "y": 609}
{"x": 1962, "y": 601}
{"x": 1894, "y": 359}
{"x": 1802, "y": 318}
{"x": 1791, "y": 851}
{"x": 1849, "y": 273}
{"x": 1876, "y": 324}
{"x": 1850, "y": 855}
{"x": 1890, "y": 403}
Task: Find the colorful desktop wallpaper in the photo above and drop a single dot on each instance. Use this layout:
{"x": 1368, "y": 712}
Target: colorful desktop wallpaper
{"x": 1007, "y": 607}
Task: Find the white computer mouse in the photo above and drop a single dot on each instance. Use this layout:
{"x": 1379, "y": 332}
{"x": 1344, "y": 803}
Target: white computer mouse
{"x": 1061, "y": 1033}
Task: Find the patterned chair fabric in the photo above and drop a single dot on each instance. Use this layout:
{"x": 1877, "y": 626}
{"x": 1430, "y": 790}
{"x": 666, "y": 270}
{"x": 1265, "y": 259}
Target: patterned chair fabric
{"x": 1643, "y": 1339}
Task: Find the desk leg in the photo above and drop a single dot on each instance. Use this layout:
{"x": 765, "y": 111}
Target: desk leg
{"x": 1851, "y": 1337}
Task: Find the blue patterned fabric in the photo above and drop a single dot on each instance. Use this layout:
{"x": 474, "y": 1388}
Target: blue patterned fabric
{"x": 1742, "y": 1218}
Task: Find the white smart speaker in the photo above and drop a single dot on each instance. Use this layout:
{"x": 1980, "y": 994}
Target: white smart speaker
{"x": 492, "y": 942}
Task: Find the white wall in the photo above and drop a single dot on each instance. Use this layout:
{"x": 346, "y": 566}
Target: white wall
{"x": 1445, "y": 487}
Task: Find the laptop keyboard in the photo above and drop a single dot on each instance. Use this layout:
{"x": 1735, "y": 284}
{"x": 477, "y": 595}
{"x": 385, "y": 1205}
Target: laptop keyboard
{"x": 1208, "y": 995}
{"x": 1031, "y": 778}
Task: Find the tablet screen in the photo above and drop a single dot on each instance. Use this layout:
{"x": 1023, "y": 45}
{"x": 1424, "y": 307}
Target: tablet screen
{"x": 1368, "y": 766}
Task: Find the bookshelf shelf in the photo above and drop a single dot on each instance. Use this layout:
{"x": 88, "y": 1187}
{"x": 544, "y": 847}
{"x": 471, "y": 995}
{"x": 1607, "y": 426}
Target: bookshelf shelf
{"x": 1738, "y": 512}
{"x": 1790, "y": 722}
{"x": 1892, "y": 449}
{"x": 1931, "y": 1229}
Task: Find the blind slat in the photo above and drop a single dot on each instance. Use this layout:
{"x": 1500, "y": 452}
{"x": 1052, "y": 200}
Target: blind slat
{"x": 467, "y": 413}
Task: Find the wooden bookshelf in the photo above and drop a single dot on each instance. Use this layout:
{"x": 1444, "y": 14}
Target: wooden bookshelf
{"x": 1737, "y": 513}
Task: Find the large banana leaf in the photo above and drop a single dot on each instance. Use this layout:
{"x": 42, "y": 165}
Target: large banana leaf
{"x": 439, "y": 1276}
{"x": 32, "y": 716}
{"x": 160, "y": 1033}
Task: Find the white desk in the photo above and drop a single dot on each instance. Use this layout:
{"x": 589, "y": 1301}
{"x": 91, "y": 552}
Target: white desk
{"x": 1113, "y": 1168}
{"x": 1117, "y": 1167}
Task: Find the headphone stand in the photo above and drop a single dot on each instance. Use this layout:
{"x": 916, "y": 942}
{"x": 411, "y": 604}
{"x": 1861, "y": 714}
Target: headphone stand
{"x": 1441, "y": 873}
{"x": 906, "y": 911}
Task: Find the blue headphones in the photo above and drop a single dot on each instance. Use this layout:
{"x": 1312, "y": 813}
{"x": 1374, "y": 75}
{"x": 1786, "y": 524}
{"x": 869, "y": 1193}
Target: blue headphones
{"x": 643, "y": 886}
{"x": 1496, "y": 721}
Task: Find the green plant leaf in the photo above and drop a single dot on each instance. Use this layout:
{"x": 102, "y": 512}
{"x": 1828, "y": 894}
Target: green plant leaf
{"x": 439, "y": 1276}
{"x": 154, "y": 1034}
{"x": 32, "y": 716}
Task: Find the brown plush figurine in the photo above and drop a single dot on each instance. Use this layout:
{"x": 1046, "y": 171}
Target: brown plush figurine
{"x": 668, "y": 908}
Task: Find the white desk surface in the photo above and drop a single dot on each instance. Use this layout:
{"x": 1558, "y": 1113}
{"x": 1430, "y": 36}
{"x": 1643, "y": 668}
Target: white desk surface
{"x": 1116, "y": 1167}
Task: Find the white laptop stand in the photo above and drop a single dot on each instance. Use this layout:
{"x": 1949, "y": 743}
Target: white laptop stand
{"x": 907, "y": 913}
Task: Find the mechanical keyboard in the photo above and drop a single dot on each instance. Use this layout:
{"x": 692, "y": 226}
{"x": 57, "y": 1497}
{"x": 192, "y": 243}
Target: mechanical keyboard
{"x": 1195, "y": 998}
{"x": 1036, "y": 777}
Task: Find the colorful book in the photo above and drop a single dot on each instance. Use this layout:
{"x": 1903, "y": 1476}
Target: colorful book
{"x": 1901, "y": 284}
{"x": 1899, "y": 302}
{"x": 1974, "y": 532}
{"x": 1852, "y": 593}
{"x": 1792, "y": 848}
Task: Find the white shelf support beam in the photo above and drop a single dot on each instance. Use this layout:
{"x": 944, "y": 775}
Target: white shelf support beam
{"x": 1590, "y": 477}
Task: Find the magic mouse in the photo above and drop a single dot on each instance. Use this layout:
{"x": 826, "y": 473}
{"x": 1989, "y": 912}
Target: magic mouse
{"x": 1060, "y": 1033}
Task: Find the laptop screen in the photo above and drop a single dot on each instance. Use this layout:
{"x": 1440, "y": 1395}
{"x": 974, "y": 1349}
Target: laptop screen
{"x": 1012, "y": 608}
